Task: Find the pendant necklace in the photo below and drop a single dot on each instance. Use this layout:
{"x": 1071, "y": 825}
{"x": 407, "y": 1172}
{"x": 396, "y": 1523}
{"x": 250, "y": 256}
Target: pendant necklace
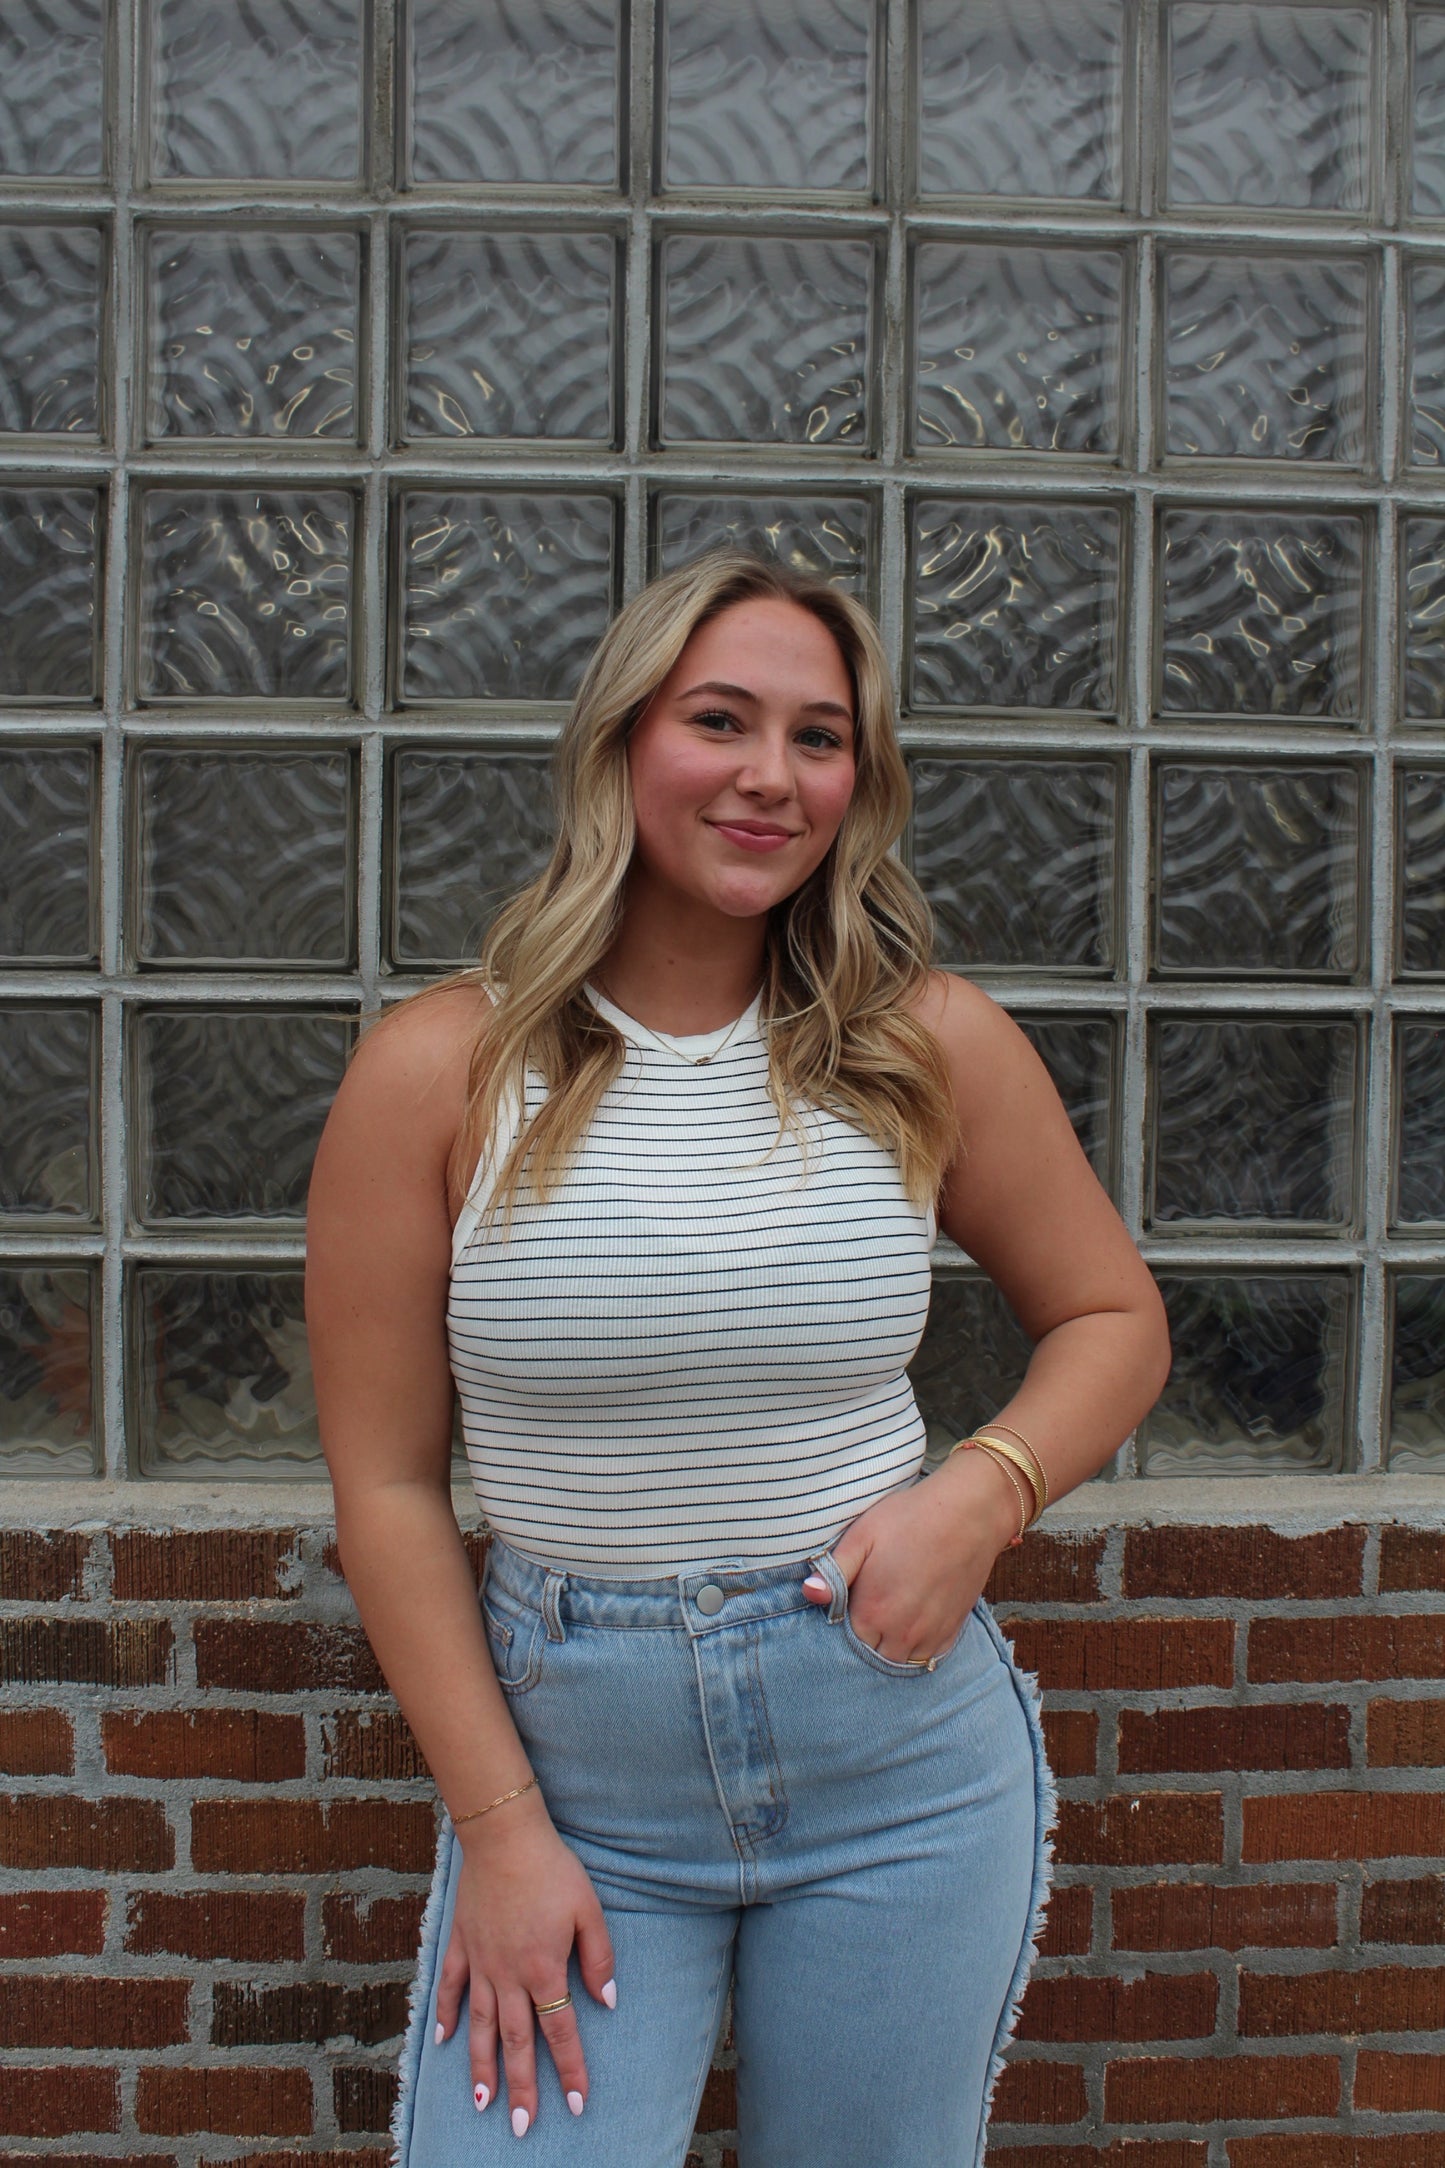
{"x": 661, "y": 1040}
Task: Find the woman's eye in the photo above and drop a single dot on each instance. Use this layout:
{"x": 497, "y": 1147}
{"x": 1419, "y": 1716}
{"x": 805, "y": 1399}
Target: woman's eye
{"x": 817, "y": 737}
{"x": 715, "y": 715}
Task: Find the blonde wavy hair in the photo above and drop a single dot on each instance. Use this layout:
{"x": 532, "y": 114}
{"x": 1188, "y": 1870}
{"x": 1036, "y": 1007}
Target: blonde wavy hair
{"x": 843, "y": 953}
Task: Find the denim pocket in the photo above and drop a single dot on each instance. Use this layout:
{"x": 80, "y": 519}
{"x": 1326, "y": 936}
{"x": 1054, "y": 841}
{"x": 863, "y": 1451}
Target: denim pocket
{"x": 516, "y": 1636}
{"x": 840, "y": 1614}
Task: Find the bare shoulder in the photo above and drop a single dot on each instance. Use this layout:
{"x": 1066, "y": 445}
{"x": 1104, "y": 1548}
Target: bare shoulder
{"x": 969, "y": 1025}
{"x": 407, "y": 1080}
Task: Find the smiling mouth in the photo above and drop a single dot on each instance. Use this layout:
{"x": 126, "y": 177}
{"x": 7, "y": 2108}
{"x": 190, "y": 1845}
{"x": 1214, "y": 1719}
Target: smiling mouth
{"x": 754, "y": 835}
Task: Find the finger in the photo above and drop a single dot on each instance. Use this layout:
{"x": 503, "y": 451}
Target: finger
{"x": 849, "y": 1552}
{"x": 816, "y": 1589}
{"x": 596, "y": 1959}
{"x": 482, "y": 2041}
{"x": 559, "y": 2030}
{"x": 517, "y": 2027}
{"x": 451, "y": 1984}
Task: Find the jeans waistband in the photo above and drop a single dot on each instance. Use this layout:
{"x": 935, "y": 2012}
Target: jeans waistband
{"x": 667, "y": 1605}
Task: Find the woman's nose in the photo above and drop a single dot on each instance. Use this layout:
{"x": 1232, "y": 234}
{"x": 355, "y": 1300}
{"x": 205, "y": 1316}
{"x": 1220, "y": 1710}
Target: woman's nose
{"x": 767, "y": 770}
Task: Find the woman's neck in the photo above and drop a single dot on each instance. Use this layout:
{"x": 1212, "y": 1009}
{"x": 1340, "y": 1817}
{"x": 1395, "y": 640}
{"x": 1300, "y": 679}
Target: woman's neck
{"x": 678, "y": 975}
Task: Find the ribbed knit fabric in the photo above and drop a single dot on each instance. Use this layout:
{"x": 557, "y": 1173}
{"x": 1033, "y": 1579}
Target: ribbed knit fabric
{"x": 694, "y": 1351}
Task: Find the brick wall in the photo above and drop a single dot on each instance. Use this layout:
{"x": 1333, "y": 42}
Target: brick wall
{"x": 216, "y": 1833}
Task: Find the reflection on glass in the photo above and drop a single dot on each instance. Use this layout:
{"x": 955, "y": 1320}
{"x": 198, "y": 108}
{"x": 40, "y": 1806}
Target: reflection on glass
{"x": 268, "y": 91}
{"x": 52, "y": 66}
{"x": 1420, "y": 853}
{"x": 970, "y": 1361}
{"x": 468, "y": 830}
{"x": 1417, "y": 1373}
{"x": 829, "y": 538}
{"x": 1262, "y": 612}
{"x": 46, "y": 838}
{"x": 1420, "y": 1088}
{"x": 51, "y": 280}
{"x": 1424, "y": 608}
{"x": 1024, "y": 100}
{"x": 46, "y": 1425}
{"x": 767, "y": 93}
{"x": 49, "y": 594}
{"x": 1425, "y": 340}
{"x": 1270, "y": 106}
{"x": 47, "y": 1083}
{"x": 223, "y": 1374}
{"x": 1260, "y": 1380}
{"x": 1427, "y": 169}
{"x": 1081, "y": 1054}
{"x": 514, "y": 91}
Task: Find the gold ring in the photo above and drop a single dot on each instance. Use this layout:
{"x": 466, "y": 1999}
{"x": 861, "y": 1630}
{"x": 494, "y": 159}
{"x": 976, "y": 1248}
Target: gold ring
{"x": 545, "y": 2009}
{"x": 925, "y": 1663}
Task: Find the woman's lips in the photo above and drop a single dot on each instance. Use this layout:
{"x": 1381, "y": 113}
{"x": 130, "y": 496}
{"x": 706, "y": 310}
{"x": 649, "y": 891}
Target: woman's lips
{"x": 754, "y": 839}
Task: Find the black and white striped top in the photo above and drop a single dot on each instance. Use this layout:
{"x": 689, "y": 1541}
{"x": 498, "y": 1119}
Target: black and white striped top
{"x": 693, "y": 1353}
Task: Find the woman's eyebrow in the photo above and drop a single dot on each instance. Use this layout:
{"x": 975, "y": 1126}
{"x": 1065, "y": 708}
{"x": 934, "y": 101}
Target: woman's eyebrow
{"x": 740, "y": 692}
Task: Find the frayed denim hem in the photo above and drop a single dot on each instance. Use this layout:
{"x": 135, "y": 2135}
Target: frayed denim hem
{"x": 419, "y": 2000}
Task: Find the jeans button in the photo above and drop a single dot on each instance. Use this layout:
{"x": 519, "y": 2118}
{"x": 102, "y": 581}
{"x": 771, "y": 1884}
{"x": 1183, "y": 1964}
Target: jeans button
{"x": 710, "y": 1599}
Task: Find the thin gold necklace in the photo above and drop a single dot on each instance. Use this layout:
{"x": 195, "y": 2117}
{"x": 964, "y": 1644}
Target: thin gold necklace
{"x": 660, "y": 1039}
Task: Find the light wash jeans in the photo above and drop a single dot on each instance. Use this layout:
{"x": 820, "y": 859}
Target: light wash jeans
{"x": 857, "y": 1848}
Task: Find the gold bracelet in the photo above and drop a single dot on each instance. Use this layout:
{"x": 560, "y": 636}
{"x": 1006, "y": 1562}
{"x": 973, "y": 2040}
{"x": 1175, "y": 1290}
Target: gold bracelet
{"x": 458, "y": 1819}
{"x": 994, "y": 1424}
{"x": 978, "y": 1445}
{"x": 1026, "y": 1464}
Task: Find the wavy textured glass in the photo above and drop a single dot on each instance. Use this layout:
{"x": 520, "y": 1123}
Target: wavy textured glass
{"x": 49, "y": 594}
{"x": 1081, "y": 1054}
{"x": 252, "y": 333}
{"x": 1420, "y": 857}
{"x": 224, "y": 1374}
{"x": 1016, "y": 349}
{"x": 51, "y": 282}
{"x": 243, "y": 857}
{"x": 228, "y": 1109}
{"x": 1017, "y": 859}
{"x": 767, "y": 93}
{"x": 47, "y": 837}
{"x": 1024, "y": 100}
{"x": 48, "y": 1060}
{"x": 1015, "y": 605}
{"x": 245, "y": 593}
{"x": 46, "y": 1413}
{"x": 256, "y": 89}
{"x": 971, "y": 1359}
{"x": 52, "y": 68}
{"x": 1262, "y": 612}
{"x": 1260, "y": 1376}
{"x": 514, "y": 91}
{"x": 1420, "y": 1135}
{"x": 1251, "y": 1122}
{"x": 829, "y": 538}
{"x": 504, "y": 594}
{"x": 508, "y": 334}
{"x": 765, "y": 340}
{"x": 1425, "y": 336}
{"x": 1257, "y": 870}
{"x": 1427, "y": 162}
{"x": 1417, "y": 1373}
{"x": 467, "y": 830}
{"x": 1423, "y": 597}
{"x": 1266, "y": 357}
{"x": 1270, "y": 106}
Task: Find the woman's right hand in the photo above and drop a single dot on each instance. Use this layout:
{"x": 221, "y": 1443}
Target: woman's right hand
{"x": 523, "y": 1898}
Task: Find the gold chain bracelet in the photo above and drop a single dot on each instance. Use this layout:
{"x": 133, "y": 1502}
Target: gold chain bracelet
{"x": 458, "y": 1819}
{"x": 965, "y": 1445}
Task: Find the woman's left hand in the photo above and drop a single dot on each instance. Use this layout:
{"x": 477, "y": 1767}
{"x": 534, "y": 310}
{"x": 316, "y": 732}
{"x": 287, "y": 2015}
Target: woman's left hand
{"x": 916, "y": 1562}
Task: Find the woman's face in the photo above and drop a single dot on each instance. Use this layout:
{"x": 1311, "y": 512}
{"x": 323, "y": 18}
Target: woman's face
{"x": 742, "y": 763}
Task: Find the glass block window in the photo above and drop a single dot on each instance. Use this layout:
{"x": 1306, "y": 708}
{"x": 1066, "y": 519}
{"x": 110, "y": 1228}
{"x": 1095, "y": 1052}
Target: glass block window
{"x": 357, "y": 361}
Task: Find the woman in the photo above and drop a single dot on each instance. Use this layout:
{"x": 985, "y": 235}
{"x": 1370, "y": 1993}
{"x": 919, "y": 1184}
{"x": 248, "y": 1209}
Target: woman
{"x": 656, "y": 1187}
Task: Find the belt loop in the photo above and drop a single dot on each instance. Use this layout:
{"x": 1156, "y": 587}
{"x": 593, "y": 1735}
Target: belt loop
{"x": 552, "y": 1604}
{"x": 832, "y": 1573}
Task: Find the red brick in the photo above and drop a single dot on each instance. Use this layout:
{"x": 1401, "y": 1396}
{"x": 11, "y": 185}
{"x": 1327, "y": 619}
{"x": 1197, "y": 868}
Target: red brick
{"x": 1123, "y": 2153}
{"x": 1136, "y": 1830}
{"x": 1228, "y": 1916}
{"x": 230, "y": 2099}
{"x": 1048, "y": 1569}
{"x": 73, "y": 2010}
{"x": 258, "y": 1927}
{"x": 249, "y": 1746}
{"x": 44, "y": 1830}
{"x": 307, "y": 1836}
{"x": 1404, "y": 1911}
{"x": 285, "y": 1656}
{"x": 315, "y": 2011}
{"x": 1400, "y": 2084}
{"x": 1040, "y": 2093}
{"x": 53, "y": 2103}
{"x": 52, "y": 1923}
{"x": 1160, "y": 2006}
{"x": 1216, "y": 2088}
{"x": 375, "y": 1745}
{"x": 1267, "y": 1735}
{"x": 212, "y": 1565}
{"x": 718, "y": 2108}
{"x": 363, "y": 2096}
{"x": 1344, "y": 1825}
{"x": 1386, "y": 1998}
{"x": 39, "y": 1567}
{"x": 1252, "y": 1562}
{"x": 1407, "y": 1734}
{"x": 1069, "y": 1921}
{"x": 1125, "y": 1655}
{"x": 1332, "y": 2149}
{"x": 1411, "y": 1558}
{"x": 1071, "y": 1741}
{"x": 36, "y": 1743}
{"x": 1350, "y": 1646}
{"x": 85, "y": 1651}
{"x": 385, "y": 1931}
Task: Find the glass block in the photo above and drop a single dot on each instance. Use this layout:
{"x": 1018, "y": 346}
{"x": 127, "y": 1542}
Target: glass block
{"x": 1262, "y": 612}
{"x": 509, "y": 335}
{"x": 1420, "y": 858}
{"x": 245, "y": 593}
{"x": 48, "y": 1061}
{"x": 1017, "y": 859}
{"x": 52, "y": 81}
{"x": 1427, "y": 192}
{"x": 1417, "y": 1374}
{"x": 46, "y": 1413}
{"x": 47, "y": 800}
{"x": 468, "y": 829}
{"x": 1026, "y": 100}
{"x": 49, "y": 594}
{"x": 243, "y": 857}
{"x": 1081, "y": 1054}
{"x": 1015, "y": 605}
{"x": 1251, "y": 1122}
{"x": 1257, "y": 870}
{"x": 765, "y": 340}
{"x": 252, "y": 332}
{"x": 505, "y": 593}
{"x": 1420, "y": 1123}
{"x": 269, "y": 91}
{"x": 1423, "y": 582}
{"x": 1017, "y": 349}
{"x": 51, "y": 281}
{"x": 971, "y": 1359}
{"x": 1425, "y": 315}
{"x": 222, "y": 1376}
{"x": 828, "y": 537}
{"x": 515, "y": 91}
{"x": 1266, "y": 357}
{"x": 1261, "y": 1378}
{"x": 1270, "y": 106}
{"x": 228, "y": 1108}
{"x": 767, "y": 93}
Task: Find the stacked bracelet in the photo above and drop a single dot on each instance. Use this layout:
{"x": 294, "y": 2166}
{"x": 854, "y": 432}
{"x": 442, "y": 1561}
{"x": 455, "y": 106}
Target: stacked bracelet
{"x": 1009, "y": 1458}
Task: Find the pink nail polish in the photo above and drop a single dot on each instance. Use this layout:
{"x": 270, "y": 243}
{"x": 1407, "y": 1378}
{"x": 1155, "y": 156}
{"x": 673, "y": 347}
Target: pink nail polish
{"x": 609, "y": 1994}
{"x": 520, "y": 2120}
{"x": 481, "y": 2096}
{"x": 576, "y": 2103}
{"x": 439, "y": 2035}
{"x": 815, "y": 1580}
